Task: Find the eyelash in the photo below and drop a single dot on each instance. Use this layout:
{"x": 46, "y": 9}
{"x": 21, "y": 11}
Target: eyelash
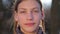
{"x": 22, "y": 12}
{"x": 36, "y": 11}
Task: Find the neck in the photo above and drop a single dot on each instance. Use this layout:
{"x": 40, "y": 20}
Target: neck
{"x": 34, "y": 32}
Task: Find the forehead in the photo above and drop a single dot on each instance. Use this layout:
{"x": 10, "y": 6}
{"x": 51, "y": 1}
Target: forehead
{"x": 29, "y": 4}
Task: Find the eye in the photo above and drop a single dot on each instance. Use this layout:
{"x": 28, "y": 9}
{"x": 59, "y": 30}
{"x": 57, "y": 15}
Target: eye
{"x": 22, "y": 11}
{"x": 36, "y": 11}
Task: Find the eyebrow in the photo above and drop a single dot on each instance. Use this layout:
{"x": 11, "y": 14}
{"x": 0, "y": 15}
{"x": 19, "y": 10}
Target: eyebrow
{"x": 32, "y": 8}
{"x": 22, "y": 8}
{"x": 35, "y": 8}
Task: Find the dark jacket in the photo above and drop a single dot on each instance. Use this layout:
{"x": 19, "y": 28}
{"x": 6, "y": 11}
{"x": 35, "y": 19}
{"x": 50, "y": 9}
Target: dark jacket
{"x": 18, "y": 31}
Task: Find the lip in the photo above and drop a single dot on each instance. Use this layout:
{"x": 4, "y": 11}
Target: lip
{"x": 29, "y": 24}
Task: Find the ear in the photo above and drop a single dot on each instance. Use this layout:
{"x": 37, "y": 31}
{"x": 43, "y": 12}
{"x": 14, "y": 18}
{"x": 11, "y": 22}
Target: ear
{"x": 43, "y": 15}
{"x": 15, "y": 16}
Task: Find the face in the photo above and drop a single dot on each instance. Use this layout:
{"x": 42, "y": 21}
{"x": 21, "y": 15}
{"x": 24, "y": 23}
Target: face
{"x": 28, "y": 15}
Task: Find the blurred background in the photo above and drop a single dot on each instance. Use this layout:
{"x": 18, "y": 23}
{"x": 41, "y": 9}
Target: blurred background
{"x": 51, "y": 10}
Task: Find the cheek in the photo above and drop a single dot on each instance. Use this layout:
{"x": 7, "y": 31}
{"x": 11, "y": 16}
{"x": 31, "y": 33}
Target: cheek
{"x": 21, "y": 19}
{"x": 37, "y": 18}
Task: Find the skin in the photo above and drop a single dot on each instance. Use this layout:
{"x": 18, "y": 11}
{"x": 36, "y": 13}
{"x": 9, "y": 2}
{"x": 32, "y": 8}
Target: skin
{"x": 28, "y": 12}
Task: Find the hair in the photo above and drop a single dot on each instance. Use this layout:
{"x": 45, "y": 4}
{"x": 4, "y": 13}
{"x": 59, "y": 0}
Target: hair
{"x": 15, "y": 6}
{"x": 19, "y": 1}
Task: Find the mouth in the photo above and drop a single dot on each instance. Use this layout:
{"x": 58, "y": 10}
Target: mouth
{"x": 29, "y": 24}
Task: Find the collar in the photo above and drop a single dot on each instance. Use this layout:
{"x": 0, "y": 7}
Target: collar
{"x": 18, "y": 31}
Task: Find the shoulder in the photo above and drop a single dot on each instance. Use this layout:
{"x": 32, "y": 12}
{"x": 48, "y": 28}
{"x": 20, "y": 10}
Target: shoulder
{"x": 40, "y": 31}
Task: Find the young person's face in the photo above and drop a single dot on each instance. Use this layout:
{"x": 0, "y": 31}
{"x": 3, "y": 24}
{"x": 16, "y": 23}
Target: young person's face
{"x": 28, "y": 15}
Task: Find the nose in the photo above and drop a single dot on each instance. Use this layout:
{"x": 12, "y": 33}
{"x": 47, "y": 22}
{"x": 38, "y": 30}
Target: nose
{"x": 29, "y": 16}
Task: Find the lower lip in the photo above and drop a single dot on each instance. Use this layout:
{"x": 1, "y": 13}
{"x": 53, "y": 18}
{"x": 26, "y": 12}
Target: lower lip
{"x": 29, "y": 24}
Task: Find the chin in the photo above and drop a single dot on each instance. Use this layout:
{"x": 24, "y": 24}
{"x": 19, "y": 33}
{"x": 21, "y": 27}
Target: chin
{"x": 30, "y": 29}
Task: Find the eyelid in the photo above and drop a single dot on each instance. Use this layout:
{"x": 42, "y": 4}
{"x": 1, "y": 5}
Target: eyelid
{"x": 36, "y": 11}
{"x": 22, "y": 11}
